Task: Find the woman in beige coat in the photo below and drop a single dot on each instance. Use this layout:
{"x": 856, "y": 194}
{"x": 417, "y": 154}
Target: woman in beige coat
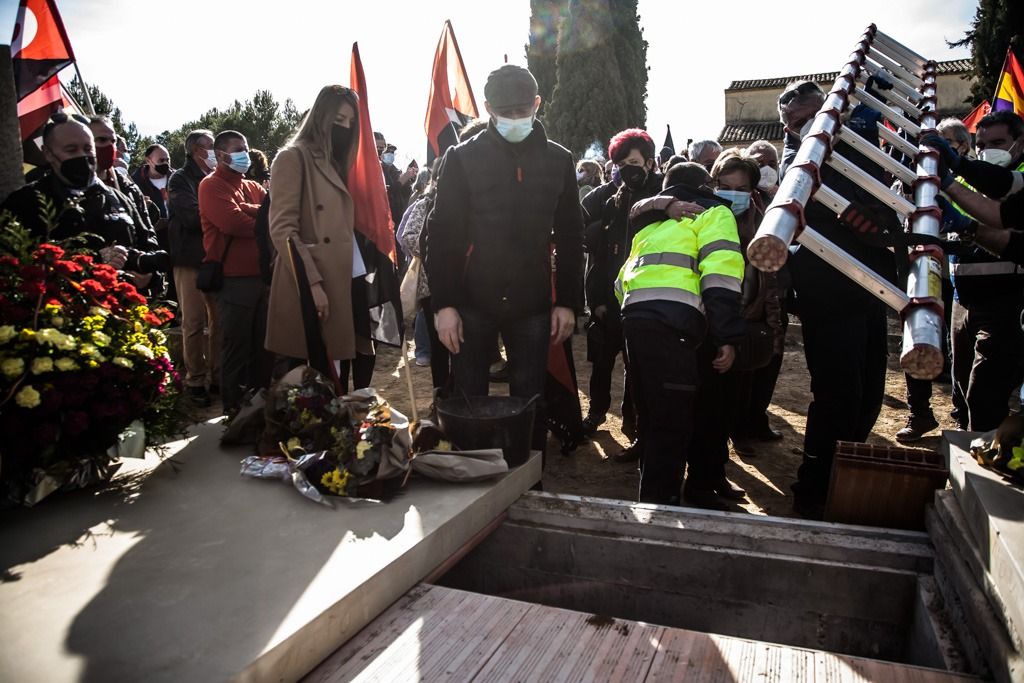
{"x": 312, "y": 206}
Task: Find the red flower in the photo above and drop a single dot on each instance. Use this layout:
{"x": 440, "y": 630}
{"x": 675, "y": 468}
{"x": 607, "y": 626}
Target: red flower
{"x": 32, "y": 287}
{"x": 152, "y": 319}
{"x": 67, "y": 267}
{"x": 33, "y": 272}
{"x": 48, "y": 251}
{"x": 93, "y": 288}
{"x": 7, "y": 260}
{"x": 82, "y": 259}
{"x": 165, "y": 315}
{"x": 105, "y": 275}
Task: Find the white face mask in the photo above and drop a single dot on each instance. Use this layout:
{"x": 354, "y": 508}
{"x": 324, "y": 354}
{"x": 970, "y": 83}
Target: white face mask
{"x": 806, "y": 128}
{"x": 769, "y": 178}
{"x": 211, "y": 159}
{"x": 514, "y": 130}
{"x": 999, "y": 157}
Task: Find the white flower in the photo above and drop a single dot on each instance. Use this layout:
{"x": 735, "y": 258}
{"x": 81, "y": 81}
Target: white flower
{"x": 12, "y": 367}
{"x": 41, "y": 365}
{"x": 143, "y": 350}
{"x": 65, "y": 364}
{"x": 7, "y": 333}
{"x": 123, "y": 362}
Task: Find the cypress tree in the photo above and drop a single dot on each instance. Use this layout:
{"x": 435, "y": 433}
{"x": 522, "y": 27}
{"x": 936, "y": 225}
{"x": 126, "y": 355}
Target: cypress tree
{"x": 997, "y": 24}
{"x": 631, "y": 52}
{"x": 546, "y": 17}
{"x": 588, "y": 104}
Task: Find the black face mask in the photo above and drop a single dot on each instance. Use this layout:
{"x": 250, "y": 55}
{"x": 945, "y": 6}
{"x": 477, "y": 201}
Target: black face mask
{"x": 340, "y": 139}
{"x": 162, "y": 169}
{"x": 78, "y": 171}
{"x": 633, "y": 177}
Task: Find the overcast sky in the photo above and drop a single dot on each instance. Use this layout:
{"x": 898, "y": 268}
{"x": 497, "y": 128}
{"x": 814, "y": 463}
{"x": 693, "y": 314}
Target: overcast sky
{"x": 165, "y": 63}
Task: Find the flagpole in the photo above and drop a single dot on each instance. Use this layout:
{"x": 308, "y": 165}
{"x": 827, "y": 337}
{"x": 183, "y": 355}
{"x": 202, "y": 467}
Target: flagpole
{"x": 999, "y": 81}
{"x": 462, "y": 65}
{"x": 85, "y": 89}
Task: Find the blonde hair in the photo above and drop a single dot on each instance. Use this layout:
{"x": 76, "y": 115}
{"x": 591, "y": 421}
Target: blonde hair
{"x": 314, "y": 132}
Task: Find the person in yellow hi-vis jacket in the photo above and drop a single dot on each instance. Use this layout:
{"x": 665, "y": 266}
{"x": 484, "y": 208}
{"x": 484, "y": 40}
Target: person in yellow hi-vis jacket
{"x": 679, "y": 288}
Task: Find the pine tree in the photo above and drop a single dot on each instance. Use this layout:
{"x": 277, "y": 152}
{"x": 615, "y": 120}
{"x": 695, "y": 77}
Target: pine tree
{"x": 588, "y": 104}
{"x": 997, "y": 24}
{"x": 104, "y": 106}
{"x": 546, "y": 16}
{"x": 630, "y": 50}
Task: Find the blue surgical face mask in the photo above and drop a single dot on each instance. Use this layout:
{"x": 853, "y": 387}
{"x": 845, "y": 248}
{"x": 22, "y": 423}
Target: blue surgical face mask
{"x": 387, "y": 158}
{"x": 239, "y": 162}
{"x": 211, "y": 159}
{"x": 740, "y": 200}
{"x": 514, "y": 130}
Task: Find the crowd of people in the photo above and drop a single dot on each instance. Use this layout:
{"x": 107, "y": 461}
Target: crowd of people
{"x": 511, "y": 241}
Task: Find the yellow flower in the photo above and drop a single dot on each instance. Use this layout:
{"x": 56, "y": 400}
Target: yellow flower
{"x": 51, "y": 308}
{"x": 27, "y": 334}
{"x": 100, "y": 339}
{"x": 12, "y": 367}
{"x": 361, "y": 449}
{"x": 88, "y": 350}
{"x": 27, "y": 397}
{"x": 336, "y": 482}
{"x": 41, "y": 365}
{"x": 65, "y": 364}
{"x": 7, "y": 333}
{"x": 123, "y": 362}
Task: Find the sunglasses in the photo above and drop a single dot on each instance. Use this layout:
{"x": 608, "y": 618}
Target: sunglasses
{"x": 59, "y": 118}
{"x": 802, "y": 89}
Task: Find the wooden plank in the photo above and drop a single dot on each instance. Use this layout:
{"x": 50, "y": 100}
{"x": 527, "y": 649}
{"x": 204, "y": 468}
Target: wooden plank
{"x": 442, "y": 634}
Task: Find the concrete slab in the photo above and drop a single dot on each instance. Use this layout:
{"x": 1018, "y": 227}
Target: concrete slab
{"x": 993, "y": 512}
{"x": 192, "y": 573}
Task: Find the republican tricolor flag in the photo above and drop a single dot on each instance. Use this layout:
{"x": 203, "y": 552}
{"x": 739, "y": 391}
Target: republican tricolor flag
{"x": 451, "y": 104}
{"x": 39, "y": 49}
{"x": 1010, "y": 87}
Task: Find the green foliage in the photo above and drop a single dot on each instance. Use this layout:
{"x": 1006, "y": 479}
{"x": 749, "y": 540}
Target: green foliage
{"x": 15, "y": 240}
{"x": 630, "y": 50}
{"x": 546, "y": 17}
{"x": 997, "y": 24}
{"x": 266, "y": 124}
{"x": 589, "y": 103}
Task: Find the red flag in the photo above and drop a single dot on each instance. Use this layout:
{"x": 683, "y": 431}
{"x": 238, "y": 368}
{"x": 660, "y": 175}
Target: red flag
{"x": 451, "y": 104}
{"x": 40, "y": 46}
{"x": 36, "y": 107}
{"x": 366, "y": 178}
{"x": 1010, "y": 88}
{"x": 979, "y": 112}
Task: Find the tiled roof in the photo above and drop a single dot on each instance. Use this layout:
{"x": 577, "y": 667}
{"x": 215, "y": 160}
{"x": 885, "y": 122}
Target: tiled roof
{"x": 746, "y": 133}
{"x": 954, "y": 66}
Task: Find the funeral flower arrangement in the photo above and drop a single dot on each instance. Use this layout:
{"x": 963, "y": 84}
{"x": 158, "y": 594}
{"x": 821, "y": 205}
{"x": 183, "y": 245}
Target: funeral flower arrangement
{"x": 82, "y": 357}
{"x": 330, "y": 445}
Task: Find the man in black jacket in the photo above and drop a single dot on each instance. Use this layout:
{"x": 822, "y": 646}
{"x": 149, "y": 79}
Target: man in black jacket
{"x": 499, "y": 196}
{"x": 607, "y": 240}
{"x": 197, "y": 310}
{"x": 844, "y": 327}
{"x": 80, "y": 205}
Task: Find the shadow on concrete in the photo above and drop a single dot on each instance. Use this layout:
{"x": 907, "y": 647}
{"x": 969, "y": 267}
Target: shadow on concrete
{"x": 217, "y": 568}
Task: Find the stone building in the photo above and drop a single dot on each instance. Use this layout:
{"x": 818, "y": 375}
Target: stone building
{"x": 751, "y": 114}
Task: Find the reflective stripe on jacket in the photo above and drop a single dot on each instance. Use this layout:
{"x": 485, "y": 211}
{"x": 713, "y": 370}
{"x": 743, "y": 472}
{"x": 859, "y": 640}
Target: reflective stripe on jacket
{"x": 680, "y": 260}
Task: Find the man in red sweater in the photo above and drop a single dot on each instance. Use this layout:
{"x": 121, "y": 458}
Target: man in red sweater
{"x": 228, "y": 204}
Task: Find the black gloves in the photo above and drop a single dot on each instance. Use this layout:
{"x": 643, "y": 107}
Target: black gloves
{"x": 949, "y": 160}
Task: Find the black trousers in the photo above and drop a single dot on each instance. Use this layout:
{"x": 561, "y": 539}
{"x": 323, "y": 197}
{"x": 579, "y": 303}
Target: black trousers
{"x": 988, "y": 361}
{"x": 242, "y": 307}
{"x": 605, "y": 341}
{"x": 846, "y": 358}
{"x": 713, "y": 421}
{"x": 754, "y": 392}
{"x": 664, "y": 374}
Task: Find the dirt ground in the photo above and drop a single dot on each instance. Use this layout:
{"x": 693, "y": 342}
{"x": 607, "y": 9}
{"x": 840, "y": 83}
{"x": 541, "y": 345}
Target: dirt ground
{"x": 765, "y": 474}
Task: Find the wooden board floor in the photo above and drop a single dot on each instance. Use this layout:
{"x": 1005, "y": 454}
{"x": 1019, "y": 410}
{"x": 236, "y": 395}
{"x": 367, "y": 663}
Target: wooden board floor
{"x": 440, "y": 634}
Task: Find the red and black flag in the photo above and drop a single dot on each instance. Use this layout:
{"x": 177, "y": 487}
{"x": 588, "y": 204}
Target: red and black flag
{"x": 451, "y": 104}
{"x": 40, "y": 46}
{"x": 373, "y": 222}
